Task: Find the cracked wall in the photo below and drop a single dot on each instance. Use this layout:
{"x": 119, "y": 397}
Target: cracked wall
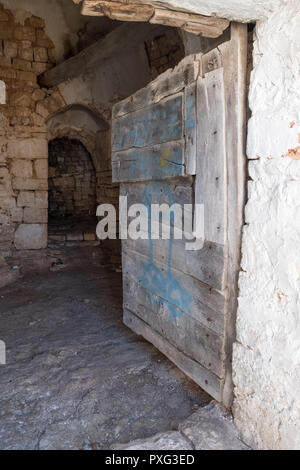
{"x": 267, "y": 351}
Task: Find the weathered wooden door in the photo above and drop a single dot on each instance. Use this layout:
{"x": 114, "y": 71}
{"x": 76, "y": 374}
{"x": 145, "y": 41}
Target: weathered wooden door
{"x": 181, "y": 140}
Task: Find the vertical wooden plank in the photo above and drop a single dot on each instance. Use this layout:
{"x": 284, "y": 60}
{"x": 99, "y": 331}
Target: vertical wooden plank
{"x": 190, "y": 129}
{"x": 234, "y": 58}
{"x": 210, "y": 186}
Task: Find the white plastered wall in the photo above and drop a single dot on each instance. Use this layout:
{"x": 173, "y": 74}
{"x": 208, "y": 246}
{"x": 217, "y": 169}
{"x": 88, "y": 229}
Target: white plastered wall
{"x": 267, "y": 352}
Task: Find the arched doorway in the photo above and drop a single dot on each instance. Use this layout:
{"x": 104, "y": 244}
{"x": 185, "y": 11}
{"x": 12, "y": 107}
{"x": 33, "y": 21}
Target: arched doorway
{"x": 72, "y": 191}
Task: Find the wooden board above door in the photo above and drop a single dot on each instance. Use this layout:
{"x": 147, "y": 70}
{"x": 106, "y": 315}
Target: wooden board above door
{"x": 154, "y": 12}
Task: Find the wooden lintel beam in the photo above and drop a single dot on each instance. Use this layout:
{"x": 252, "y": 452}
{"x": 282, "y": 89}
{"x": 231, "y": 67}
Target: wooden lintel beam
{"x": 154, "y": 12}
{"x": 124, "y": 37}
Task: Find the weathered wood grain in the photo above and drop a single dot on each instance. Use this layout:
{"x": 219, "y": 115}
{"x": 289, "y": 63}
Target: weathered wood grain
{"x": 156, "y": 162}
{"x": 173, "y": 297}
{"x": 207, "y": 305}
{"x": 117, "y": 10}
{"x": 206, "y": 265}
{"x": 234, "y": 59}
{"x": 182, "y": 331}
{"x": 169, "y": 83}
{"x": 138, "y": 10}
{"x": 206, "y": 379}
{"x": 208, "y": 26}
{"x": 211, "y": 178}
{"x": 190, "y": 128}
{"x": 154, "y": 125}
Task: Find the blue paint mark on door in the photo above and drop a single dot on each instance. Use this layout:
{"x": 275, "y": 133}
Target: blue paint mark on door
{"x": 158, "y": 284}
{"x": 161, "y": 123}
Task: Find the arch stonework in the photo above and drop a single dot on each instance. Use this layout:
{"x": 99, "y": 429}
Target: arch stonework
{"x": 79, "y": 122}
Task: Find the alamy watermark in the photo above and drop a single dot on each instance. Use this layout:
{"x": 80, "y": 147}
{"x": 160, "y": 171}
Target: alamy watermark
{"x": 153, "y": 222}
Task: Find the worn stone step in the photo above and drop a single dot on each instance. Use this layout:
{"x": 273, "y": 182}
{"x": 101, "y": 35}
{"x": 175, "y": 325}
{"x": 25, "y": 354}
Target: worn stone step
{"x": 210, "y": 428}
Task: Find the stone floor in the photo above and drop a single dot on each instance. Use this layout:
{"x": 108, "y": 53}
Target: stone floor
{"x": 76, "y": 377}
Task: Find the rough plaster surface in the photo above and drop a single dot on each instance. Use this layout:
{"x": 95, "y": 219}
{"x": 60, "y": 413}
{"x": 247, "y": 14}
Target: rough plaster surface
{"x": 267, "y": 352}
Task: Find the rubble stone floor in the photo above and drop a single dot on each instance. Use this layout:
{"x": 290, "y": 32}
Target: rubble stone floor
{"x": 76, "y": 377}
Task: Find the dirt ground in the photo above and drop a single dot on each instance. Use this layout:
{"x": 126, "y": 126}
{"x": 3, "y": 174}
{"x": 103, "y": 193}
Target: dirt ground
{"x": 76, "y": 377}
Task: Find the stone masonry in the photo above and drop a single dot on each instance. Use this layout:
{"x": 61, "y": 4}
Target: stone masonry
{"x": 72, "y": 180}
{"x": 164, "y": 52}
{"x": 25, "y": 52}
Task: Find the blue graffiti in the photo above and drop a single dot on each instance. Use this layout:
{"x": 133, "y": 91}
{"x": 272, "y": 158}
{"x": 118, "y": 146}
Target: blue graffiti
{"x": 162, "y": 285}
{"x": 190, "y": 121}
{"x": 161, "y": 123}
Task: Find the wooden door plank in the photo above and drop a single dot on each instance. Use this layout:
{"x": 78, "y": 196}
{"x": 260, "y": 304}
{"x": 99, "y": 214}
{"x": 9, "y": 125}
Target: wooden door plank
{"x": 204, "y": 378}
{"x": 211, "y": 180}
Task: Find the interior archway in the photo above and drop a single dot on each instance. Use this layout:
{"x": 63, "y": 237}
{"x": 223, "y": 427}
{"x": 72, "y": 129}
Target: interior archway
{"x": 72, "y": 191}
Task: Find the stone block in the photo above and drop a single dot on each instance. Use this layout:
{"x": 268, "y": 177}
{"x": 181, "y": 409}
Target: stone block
{"x": 31, "y": 237}
{"x": 28, "y": 148}
{"x": 7, "y": 74}
{"x": 24, "y": 33}
{"x": 40, "y": 54}
{"x": 10, "y": 48}
{"x": 34, "y": 215}
{"x": 38, "y": 95}
{"x": 5, "y": 62}
{"x": 30, "y": 184}
{"x": 41, "y": 168}
{"x": 21, "y": 64}
{"x": 22, "y": 168}
{"x": 16, "y": 214}
{"x": 20, "y": 98}
{"x": 28, "y": 77}
{"x": 7, "y": 202}
{"x": 25, "y": 51}
{"x": 41, "y": 199}
{"x": 7, "y": 233}
{"x": 26, "y": 199}
{"x": 40, "y": 67}
{"x": 4, "y": 219}
{"x": 6, "y": 31}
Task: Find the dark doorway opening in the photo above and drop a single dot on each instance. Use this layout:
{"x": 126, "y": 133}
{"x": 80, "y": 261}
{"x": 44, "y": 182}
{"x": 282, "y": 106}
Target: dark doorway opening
{"x": 72, "y": 192}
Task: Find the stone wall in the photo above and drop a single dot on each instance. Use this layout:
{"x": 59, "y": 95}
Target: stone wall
{"x": 164, "y": 52}
{"x": 267, "y": 352}
{"x": 72, "y": 180}
{"x": 25, "y": 52}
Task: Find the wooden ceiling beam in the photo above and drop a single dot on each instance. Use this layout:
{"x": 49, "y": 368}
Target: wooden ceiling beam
{"x": 138, "y": 10}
